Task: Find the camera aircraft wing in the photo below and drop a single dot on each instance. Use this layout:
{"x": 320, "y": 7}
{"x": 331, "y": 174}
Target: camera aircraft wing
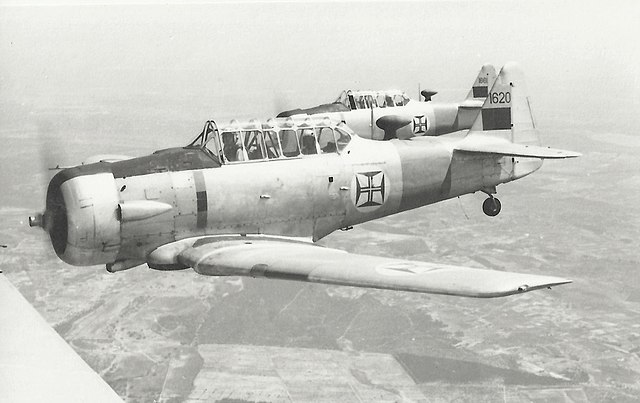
{"x": 36, "y": 364}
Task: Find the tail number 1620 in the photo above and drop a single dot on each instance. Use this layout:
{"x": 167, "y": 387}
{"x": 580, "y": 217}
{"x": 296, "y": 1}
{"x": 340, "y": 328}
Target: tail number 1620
{"x": 500, "y": 98}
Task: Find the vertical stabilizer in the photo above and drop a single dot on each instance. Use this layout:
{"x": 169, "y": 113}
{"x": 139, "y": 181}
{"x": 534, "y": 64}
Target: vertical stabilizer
{"x": 505, "y": 126}
{"x": 483, "y": 82}
{"x": 468, "y": 110}
{"x": 506, "y": 111}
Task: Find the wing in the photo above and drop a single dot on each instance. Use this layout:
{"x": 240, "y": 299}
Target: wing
{"x": 36, "y": 365}
{"x": 281, "y": 259}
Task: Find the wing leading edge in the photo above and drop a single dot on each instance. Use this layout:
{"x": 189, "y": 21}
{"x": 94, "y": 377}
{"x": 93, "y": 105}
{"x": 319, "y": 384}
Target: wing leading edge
{"x": 279, "y": 259}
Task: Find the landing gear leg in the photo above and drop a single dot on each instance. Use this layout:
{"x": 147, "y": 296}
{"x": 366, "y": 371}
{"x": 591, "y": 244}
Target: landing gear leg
{"x": 491, "y": 206}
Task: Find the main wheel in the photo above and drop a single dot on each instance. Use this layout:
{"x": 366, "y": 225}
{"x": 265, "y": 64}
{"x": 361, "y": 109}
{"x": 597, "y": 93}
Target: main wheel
{"x": 491, "y": 206}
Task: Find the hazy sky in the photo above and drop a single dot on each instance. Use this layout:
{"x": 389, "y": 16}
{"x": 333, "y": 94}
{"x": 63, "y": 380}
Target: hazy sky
{"x": 205, "y": 53}
{"x": 154, "y": 73}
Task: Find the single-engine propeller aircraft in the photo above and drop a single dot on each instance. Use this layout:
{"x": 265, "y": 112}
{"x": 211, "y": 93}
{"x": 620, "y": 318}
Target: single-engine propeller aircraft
{"x": 385, "y": 115}
{"x": 251, "y": 199}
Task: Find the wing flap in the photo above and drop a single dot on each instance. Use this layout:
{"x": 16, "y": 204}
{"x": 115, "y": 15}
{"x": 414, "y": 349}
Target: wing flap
{"x": 277, "y": 259}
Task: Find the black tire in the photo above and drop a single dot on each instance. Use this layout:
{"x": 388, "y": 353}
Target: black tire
{"x": 491, "y": 207}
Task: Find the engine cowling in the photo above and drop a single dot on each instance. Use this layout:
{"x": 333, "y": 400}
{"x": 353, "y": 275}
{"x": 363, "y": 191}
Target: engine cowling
{"x": 81, "y": 215}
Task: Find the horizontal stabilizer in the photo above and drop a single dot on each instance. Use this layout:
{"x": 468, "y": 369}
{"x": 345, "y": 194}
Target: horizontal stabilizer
{"x": 471, "y": 104}
{"x": 279, "y": 259}
{"x": 483, "y": 145}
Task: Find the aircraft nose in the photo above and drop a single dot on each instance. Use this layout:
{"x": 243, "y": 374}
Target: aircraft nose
{"x": 54, "y": 218}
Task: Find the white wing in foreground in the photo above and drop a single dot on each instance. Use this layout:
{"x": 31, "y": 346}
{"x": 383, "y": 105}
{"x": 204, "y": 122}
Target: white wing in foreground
{"x": 36, "y": 365}
{"x": 280, "y": 259}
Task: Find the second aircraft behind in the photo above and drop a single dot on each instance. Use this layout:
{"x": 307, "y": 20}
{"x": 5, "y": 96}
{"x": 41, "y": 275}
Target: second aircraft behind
{"x": 385, "y": 115}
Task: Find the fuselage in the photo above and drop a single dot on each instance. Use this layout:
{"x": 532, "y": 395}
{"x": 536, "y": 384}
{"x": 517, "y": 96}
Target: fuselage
{"x": 412, "y": 120}
{"x": 122, "y": 211}
{"x": 385, "y": 115}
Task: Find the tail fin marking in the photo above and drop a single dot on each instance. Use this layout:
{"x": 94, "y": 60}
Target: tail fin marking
{"x": 505, "y": 125}
{"x": 484, "y": 80}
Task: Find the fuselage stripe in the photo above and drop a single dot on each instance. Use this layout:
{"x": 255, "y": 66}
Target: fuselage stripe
{"x": 496, "y": 118}
{"x": 201, "y": 199}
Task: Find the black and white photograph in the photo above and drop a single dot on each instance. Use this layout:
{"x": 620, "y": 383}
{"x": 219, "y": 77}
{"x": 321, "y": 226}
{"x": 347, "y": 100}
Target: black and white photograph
{"x": 319, "y": 201}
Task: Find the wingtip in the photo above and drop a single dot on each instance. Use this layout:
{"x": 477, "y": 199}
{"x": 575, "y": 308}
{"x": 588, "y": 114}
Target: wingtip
{"x": 566, "y": 154}
{"x": 547, "y": 284}
{"x": 569, "y": 154}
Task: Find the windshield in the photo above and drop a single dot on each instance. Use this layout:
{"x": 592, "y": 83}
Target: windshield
{"x": 209, "y": 141}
